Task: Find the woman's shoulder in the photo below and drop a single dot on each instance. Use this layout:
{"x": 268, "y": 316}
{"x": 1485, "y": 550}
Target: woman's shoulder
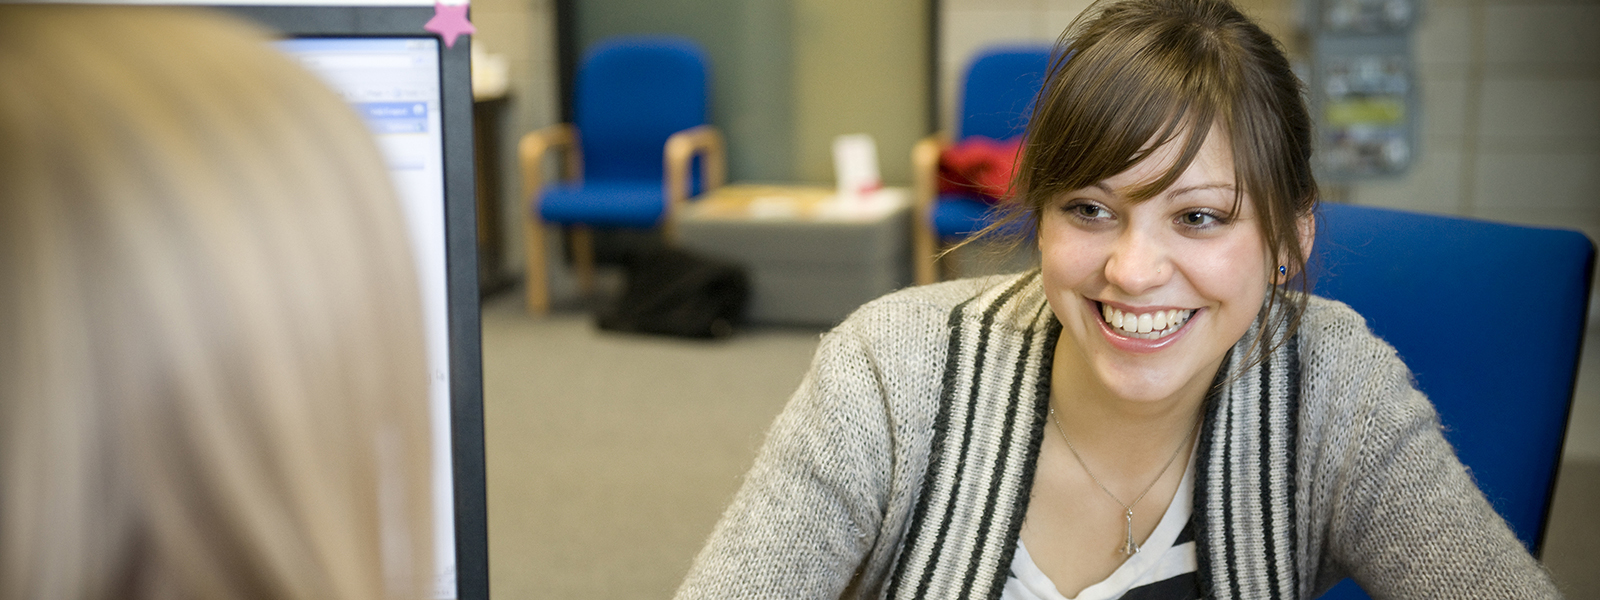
{"x": 944, "y": 295}
{"x": 904, "y": 336}
{"x": 1345, "y": 365}
{"x": 1332, "y": 331}
{"x": 915, "y": 305}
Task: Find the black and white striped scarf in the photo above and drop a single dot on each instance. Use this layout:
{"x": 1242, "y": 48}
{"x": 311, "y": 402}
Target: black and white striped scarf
{"x": 986, "y": 438}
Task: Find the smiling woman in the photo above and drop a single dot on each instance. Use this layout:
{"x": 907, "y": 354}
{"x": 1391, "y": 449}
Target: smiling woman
{"x": 1020, "y": 437}
{"x": 1113, "y": 266}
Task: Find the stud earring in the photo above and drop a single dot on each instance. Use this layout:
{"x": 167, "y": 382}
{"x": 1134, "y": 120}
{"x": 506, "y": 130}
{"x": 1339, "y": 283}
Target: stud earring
{"x": 1283, "y": 269}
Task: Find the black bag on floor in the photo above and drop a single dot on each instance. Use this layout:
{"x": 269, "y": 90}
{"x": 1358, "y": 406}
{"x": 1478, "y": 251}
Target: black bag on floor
{"x": 675, "y": 292}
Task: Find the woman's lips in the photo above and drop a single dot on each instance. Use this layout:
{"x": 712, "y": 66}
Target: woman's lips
{"x": 1142, "y": 331}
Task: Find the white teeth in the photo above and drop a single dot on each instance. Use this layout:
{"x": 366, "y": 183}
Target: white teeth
{"x": 1151, "y": 326}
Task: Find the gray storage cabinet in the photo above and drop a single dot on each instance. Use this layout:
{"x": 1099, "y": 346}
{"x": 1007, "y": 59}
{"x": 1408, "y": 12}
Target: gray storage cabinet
{"x": 807, "y": 269}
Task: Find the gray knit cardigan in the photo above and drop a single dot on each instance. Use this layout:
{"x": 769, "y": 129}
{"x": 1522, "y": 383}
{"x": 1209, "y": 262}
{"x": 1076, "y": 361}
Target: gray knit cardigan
{"x": 903, "y": 465}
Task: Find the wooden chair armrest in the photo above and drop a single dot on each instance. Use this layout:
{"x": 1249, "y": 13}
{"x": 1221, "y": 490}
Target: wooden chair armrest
{"x": 679, "y": 154}
{"x": 530, "y": 154}
{"x": 925, "y": 189}
{"x": 535, "y": 144}
{"x": 925, "y": 171}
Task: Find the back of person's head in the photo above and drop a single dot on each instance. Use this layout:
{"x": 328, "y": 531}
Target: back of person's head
{"x": 212, "y": 382}
{"x": 1131, "y": 75}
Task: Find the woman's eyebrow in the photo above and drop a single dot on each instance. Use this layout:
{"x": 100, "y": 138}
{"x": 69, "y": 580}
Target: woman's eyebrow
{"x": 1177, "y": 191}
{"x": 1200, "y": 188}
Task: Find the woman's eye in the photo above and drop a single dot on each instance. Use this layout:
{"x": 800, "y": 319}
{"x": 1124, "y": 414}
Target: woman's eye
{"x": 1089, "y": 212}
{"x": 1199, "y": 219}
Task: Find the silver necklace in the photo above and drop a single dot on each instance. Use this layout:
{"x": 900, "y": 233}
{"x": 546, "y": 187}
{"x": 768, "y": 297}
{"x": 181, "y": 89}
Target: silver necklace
{"x": 1128, "y": 547}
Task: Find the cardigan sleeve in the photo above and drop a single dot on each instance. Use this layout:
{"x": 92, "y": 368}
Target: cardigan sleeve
{"x": 805, "y": 518}
{"x": 1410, "y": 522}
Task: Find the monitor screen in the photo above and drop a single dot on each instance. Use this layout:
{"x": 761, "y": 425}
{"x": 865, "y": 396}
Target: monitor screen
{"x": 393, "y": 84}
{"x": 414, "y": 92}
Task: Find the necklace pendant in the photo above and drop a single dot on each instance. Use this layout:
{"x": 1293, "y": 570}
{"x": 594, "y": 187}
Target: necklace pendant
{"x": 1128, "y": 547}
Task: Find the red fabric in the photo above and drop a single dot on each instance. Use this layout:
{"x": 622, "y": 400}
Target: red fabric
{"x": 980, "y": 166}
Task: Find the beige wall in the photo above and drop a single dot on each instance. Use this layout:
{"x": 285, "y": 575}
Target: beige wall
{"x": 524, "y": 32}
{"x": 1510, "y": 115}
{"x": 1510, "y": 93}
{"x": 859, "y": 67}
{"x": 968, "y": 26}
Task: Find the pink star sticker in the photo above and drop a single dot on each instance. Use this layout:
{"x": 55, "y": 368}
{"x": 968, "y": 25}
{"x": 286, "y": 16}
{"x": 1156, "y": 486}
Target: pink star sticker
{"x": 449, "y": 21}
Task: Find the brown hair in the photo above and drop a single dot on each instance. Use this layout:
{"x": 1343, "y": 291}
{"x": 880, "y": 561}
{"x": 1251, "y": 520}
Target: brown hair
{"x": 211, "y": 351}
{"x": 1131, "y": 71}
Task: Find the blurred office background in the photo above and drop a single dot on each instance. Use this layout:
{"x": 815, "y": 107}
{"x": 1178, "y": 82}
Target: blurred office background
{"x": 610, "y": 456}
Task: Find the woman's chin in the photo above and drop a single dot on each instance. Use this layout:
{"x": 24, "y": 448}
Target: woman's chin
{"x": 1148, "y": 383}
{"x": 1143, "y": 394}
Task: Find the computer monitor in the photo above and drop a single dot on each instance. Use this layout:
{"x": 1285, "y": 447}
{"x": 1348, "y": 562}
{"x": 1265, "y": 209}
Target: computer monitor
{"x": 415, "y": 93}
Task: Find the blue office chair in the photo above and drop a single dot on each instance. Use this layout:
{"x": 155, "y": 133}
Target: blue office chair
{"x": 640, "y": 110}
{"x": 996, "y": 100}
{"x": 1447, "y": 293}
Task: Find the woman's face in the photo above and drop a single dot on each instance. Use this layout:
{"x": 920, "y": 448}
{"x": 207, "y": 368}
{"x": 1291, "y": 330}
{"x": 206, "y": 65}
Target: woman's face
{"x": 1151, "y": 295}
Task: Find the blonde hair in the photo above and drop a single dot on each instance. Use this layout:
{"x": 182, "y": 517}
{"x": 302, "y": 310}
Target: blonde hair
{"x": 211, "y": 352}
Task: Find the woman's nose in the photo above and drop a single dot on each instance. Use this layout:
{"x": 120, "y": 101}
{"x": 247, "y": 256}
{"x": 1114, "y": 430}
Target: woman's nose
{"x": 1139, "y": 263}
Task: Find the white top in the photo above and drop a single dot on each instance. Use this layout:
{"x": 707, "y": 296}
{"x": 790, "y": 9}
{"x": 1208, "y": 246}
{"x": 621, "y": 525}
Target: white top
{"x": 1158, "y": 559}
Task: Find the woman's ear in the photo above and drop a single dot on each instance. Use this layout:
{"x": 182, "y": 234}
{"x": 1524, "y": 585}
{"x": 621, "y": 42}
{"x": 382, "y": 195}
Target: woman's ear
{"x": 1306, "y": 229}
{"x": 1306, "y": 233}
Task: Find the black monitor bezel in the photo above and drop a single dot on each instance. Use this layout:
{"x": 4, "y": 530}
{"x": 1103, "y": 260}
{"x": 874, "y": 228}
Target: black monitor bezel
{"x": 461, "y": 254}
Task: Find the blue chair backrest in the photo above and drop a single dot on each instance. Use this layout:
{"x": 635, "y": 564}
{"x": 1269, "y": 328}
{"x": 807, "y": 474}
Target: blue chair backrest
{"x": 632, "y": 94}
{"x": 1489, "y": 317}
{"x": 997, "y": 97}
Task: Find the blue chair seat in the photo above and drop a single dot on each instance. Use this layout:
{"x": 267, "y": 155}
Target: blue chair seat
{"x": 604, "y": 204}
{"x": 955, "y": 217}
